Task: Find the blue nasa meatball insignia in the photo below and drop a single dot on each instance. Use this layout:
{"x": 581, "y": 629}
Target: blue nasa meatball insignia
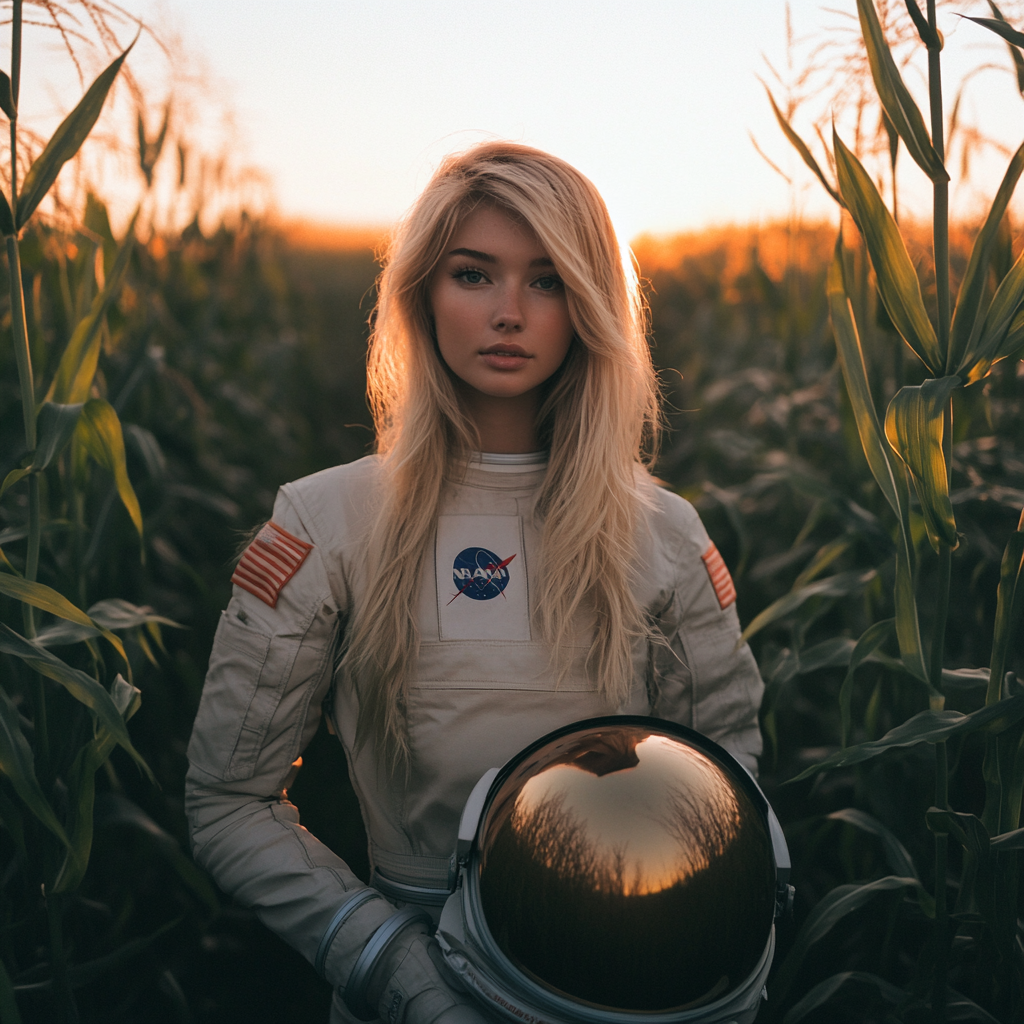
{"x": 480, "y": 574}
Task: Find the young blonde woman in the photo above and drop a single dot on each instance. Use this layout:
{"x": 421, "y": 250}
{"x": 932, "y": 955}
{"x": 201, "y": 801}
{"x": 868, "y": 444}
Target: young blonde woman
{"x": 503, "y": 566}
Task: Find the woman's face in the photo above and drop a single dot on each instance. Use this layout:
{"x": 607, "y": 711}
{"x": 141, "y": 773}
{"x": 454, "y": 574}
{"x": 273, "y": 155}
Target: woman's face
{"x": 500, "y": 311}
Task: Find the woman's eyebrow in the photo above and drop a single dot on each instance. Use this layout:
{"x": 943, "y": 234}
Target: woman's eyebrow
{"x": 475, "y": 254}
{"x": 486, "y": 257}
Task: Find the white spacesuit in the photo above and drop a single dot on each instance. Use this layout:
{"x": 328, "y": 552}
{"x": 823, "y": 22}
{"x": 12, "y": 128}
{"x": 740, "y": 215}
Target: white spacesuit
{"x": 484, "y": 687}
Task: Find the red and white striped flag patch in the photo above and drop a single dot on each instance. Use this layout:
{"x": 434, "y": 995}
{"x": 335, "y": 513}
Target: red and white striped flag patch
{"x": 269, "y": 562}
{"x": 720, "y": 578}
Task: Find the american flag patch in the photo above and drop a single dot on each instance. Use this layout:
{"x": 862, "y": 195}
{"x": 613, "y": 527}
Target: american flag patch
{"x": 269, "y": 562}
{"x": 720, "y": 578}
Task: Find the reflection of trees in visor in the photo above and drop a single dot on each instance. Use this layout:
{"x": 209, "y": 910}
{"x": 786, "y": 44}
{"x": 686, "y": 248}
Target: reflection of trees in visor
{"x": 610, "y": 921}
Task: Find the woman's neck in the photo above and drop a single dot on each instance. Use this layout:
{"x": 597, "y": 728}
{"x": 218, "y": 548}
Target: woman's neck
{"x": 506, "y": 426}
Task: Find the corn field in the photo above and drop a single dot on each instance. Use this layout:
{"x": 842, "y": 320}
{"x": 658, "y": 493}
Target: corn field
{"x": 846, "y": 413}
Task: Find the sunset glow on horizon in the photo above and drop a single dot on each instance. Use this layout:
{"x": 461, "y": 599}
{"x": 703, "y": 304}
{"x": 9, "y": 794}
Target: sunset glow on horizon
{"x": 344, "y": 110}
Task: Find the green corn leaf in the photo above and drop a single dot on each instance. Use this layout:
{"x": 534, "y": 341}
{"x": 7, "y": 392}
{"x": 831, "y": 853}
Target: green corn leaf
{"x": 54, "y": 427}
{"x": 898, "y": 284}
{"x": 729, "y": 501}
{"x": 153, "y": 629}
{"x": 899, "y": 860}
{"x": 800, "y": 146}
{"x": 9, "y": 1012}
{"x": 827, "y": 913}
{"x": 833, "y": 653}
{"x": 63, "y": 633}
{"x": 851, "y": 361}
{"x": 928, "y": 35}
{"x": 959, "y": 1007}
{"x": 1009, "y": 609}
{"x": 966, "y": 829}
{"x": 77, "y": 368}
{"x": 908, "y": 625}
{"x": 66, "y": 141}
{"x": 1018, "y": 60}
{"x": 1000, "y": 334}
{"x": 914, "y": 427}
{"x": 115, "y": 613}
{"x": 1012, "y": 346}
{"x": 1003, "y": 772}
{"x": 826, "y": 990}
{"x": 44, "y": 598}
{"x": 841, "y": 585}
{"x": 81, "y": 782}
{"x": 1000, "y": 28}
{"x": 966, "y": 327}
{"x": 13, "y": 477}
{"x": 7, "y": 97}
{"x": 894, "y": 142}
{"x": 894, "y": 96}
{"x": 964, "y": 678}
{"x": 100, "y": 432}
{"x": 925, "y": 727}
{"x": 888, "y": 472}
{"x": 873, "y": 638}
{"x": 823, "y": 558}
{"x": 6, "y": 217}
{"x": 115, "y": 809}
{"x": 81, "y": 686}
{"x": 1009, "y": 841}
{"x": 149, "y": 152}
{"x": 17, "y": 763}
{"x": 140, "y": 131}
{"x": 974, "y": 897}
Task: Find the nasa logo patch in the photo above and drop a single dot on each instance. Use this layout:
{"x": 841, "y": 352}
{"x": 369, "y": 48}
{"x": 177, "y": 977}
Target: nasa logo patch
{"x": 480, "y": 574}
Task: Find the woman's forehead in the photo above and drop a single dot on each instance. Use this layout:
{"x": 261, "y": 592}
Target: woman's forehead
{"x": 489, "y": 226}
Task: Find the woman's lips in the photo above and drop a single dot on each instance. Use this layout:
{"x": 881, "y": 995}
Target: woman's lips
{"x": 505, "y": 356}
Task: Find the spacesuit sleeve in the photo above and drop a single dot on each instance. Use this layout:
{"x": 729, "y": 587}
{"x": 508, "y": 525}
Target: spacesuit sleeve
{"x": 702, "y": 677}
{"x": 269, "y": 673}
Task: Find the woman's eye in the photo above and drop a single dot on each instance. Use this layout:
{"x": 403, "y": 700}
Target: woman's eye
{"x": 548, "y": 284}
{"x": 471, "y": 276}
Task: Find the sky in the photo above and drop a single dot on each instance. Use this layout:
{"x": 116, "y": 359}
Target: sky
{"x": 351, "y": 105}
{"x": 348, "y": 105}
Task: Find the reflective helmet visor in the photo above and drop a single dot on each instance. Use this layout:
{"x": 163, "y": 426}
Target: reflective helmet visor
{"x": 626, "y": 868}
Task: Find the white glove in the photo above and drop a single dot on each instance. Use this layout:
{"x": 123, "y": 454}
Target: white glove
{"x": 409, "y": 985}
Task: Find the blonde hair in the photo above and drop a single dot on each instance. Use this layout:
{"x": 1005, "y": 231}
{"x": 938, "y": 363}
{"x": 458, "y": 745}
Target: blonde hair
{"x": 600, "y": 417}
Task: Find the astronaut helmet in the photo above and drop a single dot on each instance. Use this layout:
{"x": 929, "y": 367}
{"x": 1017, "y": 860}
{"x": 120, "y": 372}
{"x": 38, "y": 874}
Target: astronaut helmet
{"x": 616, "y": 870}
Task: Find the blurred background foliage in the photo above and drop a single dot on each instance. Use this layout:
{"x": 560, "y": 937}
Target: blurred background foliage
{"x": 234, "y": 358}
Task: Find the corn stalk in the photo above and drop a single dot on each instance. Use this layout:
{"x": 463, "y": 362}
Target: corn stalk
{"x": 911, "y": 446}
{"x": 71, "y": 429}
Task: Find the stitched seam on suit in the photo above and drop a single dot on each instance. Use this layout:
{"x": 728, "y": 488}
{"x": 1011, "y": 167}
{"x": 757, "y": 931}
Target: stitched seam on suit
{"x": 691, "y": 667}
{"x": 227, "y": 771}
{"x": 306, "y": 514}
{"x": 300, "y": 726}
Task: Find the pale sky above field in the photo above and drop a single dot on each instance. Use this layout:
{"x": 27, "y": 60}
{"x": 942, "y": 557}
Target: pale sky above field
{"x": 348, "y": 106}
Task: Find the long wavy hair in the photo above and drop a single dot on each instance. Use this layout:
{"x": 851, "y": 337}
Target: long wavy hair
{"x": 599, "y": 417}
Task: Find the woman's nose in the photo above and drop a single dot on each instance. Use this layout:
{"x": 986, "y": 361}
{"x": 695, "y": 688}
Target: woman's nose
{"x": 508, "y": 316}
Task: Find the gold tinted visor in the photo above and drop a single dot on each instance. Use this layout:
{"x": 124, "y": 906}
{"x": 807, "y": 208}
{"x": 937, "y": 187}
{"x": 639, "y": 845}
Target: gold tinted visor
{"x": 626, "y": 868}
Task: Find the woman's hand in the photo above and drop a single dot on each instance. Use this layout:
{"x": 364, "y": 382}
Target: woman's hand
{"x": 411, "y": 986}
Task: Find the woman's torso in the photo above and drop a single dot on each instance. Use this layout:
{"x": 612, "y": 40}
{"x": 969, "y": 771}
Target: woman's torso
{"x": 484, "y": 684}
